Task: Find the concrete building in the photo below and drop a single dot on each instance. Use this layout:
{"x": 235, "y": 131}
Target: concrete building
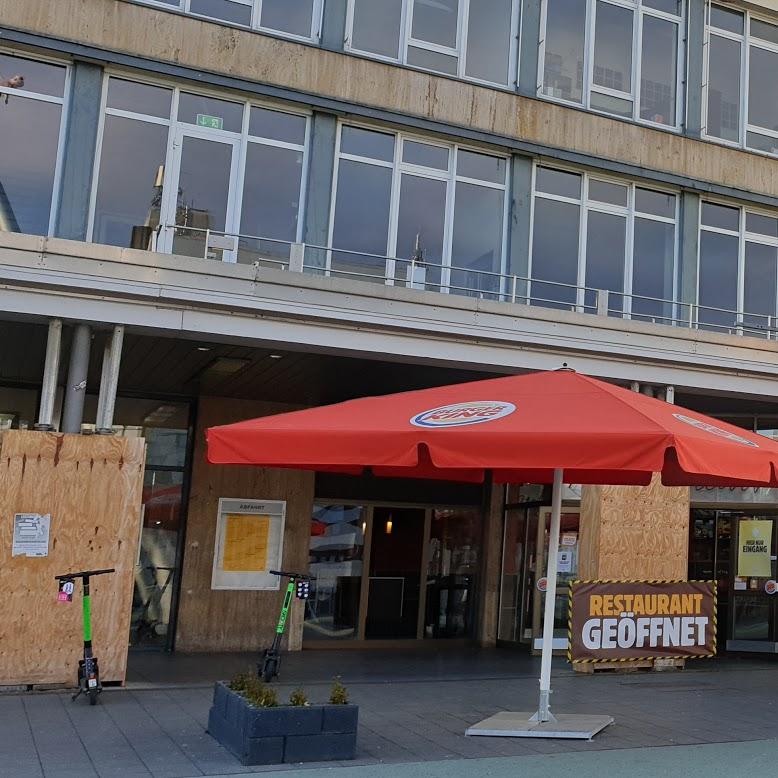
{"x": 217, "y": 209}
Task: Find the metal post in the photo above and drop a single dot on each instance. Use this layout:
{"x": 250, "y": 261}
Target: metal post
{"x": 602, "y": 302}
{"x": 544, "y": 708}
{"x": 670, "y": 395}
{"x": 513, "y": 289}
{"x": 297, "y": 257}
{"x": 109, "y": 385}
{"x": 50, "y": 375}
{"x": 75, "y": 390}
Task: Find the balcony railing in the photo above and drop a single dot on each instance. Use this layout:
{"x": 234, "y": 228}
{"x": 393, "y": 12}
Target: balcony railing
{"x": 471, "y": 282}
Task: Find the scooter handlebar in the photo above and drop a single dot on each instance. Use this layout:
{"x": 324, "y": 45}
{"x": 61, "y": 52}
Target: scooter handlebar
{"x": 84, "y": 574}
{"x": 284, "y": 574}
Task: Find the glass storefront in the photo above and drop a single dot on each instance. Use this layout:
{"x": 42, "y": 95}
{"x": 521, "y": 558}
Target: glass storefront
{"x": 166, "y": 429}
{"x": 525, "y": 549}
{"x": 738, "y": 549}
{"x": 385, "y": 572}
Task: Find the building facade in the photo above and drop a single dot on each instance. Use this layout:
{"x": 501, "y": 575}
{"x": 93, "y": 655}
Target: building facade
{"x": 216, "y": 209}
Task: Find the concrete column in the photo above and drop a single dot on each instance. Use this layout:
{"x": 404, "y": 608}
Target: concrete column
{"x": 109, "y": 381}
{"x": 689, "y": 251}
{"x": 519, "y": 226}
{"x": 695, "y": 37}
{"x": 528, "y": 48}
{"x": 75, "y": 389}
{"x": 50, "y": 375}
{"x": 319, "y": 190}
{"x": 79, "y": 153}
{"x": 333, "y": 25}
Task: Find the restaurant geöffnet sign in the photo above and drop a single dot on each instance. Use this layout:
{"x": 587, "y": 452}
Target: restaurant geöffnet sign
{"x": 623, "y": 620}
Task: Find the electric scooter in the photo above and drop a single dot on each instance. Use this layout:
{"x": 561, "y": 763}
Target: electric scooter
{"x": 88, "y": 672}
{"x": 300, "y": 586}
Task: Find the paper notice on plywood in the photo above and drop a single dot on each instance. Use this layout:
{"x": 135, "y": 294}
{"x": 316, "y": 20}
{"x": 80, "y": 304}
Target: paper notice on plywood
{"x": 31, "y": 535}
{"x": 245, "y": 543}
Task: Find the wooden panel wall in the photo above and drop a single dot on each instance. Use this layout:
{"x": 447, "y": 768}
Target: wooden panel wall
{"x": 237, "y": 620}
{"x": 92, "y": 487}
{"x": 634, "y": 532}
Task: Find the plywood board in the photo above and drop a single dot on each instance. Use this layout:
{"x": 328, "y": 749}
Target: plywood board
{"x": 92, "y": 487}
{"x": 230, "y": 620}
{"x": 634, "y": 532}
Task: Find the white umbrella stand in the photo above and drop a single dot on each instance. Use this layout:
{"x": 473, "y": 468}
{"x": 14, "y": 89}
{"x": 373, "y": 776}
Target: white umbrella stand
{"x": 542, "y": 723}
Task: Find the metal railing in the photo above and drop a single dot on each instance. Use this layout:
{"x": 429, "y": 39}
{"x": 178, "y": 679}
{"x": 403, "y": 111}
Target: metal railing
{"x": 474, "y": 282}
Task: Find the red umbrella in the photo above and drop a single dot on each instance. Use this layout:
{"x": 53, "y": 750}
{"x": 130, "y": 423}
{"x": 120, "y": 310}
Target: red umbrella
{"x": 520, "y": 428}
{"x": 535, "y": 428}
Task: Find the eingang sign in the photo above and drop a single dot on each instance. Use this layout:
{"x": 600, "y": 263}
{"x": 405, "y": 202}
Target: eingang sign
{"x": 628, "y": 620}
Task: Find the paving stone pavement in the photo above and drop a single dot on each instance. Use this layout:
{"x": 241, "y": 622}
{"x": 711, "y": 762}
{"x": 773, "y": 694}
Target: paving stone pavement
{"x": 414, "y": 708}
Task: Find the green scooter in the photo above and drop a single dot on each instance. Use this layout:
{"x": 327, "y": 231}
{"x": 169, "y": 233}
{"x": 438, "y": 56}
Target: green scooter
{"x": 88, "y": 671}
{"x": 299, "y": 586}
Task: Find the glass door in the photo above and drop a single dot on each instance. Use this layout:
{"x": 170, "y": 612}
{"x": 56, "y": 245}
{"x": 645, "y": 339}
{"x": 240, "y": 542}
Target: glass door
{"x": 199, "y": 204}
{"x": 394, "y": 588}
{"x": 567, "y": 570}
{"x": 754, "y": 616}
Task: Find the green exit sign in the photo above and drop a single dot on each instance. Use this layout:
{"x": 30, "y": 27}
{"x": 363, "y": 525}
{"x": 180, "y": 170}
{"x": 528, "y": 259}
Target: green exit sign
{"x": 212, "y": 122}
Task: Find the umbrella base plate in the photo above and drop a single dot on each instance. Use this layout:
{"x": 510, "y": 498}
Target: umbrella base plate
{"x": 577, "y": 726}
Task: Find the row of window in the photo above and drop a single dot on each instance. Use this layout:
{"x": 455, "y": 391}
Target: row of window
{"x": 621, "y": 57}
{"x": 198, "y": 175}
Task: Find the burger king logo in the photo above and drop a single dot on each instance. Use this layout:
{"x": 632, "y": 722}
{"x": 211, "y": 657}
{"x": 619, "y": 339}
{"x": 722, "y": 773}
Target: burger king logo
{"x": 463, "y": 414}
{"x": 713, "y": 430}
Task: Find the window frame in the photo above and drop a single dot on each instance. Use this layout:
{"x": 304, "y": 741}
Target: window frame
{"x": 242, "y": 138}
{"x": 743, "y": 236}
{"x": 586, "y": 205}
{"x": 406, "y": 40}
{"x": 746, "y": 41}
{"x": 64, "y": 103}
{"x": 182, "y": 6}
{"x": 639, "y": 12}
{"x": 400, "y": 168}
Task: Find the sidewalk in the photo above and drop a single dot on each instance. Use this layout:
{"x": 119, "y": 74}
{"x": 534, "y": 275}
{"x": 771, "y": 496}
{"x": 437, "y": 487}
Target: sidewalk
{"x": 415, "y": 707}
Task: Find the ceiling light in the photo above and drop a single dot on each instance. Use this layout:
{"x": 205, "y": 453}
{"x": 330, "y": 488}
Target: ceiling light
{"x": 203, "y": 348}
{"x": 276, "y": 356}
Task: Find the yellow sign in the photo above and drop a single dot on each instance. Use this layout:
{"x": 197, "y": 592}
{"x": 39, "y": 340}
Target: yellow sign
{"x": 753, "y": 553}
{"x": 245, "y": 543}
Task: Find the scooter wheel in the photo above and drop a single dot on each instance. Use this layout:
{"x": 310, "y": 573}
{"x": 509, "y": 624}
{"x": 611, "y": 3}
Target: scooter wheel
{"x": 93, "y": 696}
{"x": 269, "y": 669}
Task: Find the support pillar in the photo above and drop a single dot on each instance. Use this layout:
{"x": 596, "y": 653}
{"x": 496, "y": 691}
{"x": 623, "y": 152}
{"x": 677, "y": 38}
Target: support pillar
{"x": 319, "y": 190}
{"x": 520, "y": 225}
{"x": 75, "y": 389}
{"x": 50, "y": 376}
{"x": 333, "y": 25}
{"x": 109, "y": 381}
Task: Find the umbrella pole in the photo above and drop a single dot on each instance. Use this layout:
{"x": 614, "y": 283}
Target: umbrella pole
{"x": 544, "y": 710}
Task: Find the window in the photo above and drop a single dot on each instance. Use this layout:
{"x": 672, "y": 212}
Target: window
{"x": 32, "y": 94}
{"x": 295, "y": 18}
{"x": 741, "y": 93}
{"x": 399, "y": 199}
{"x": 590, "y": 234}
{"x": 176, "y": 169}
{"x": 466, "y": 38}
{"x": 738, "y": 270}
{"x": 621, "y": 57}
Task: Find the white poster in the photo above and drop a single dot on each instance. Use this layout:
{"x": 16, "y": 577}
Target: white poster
{"x": 565, "y": 560}
{"x": 249, "y": 543}
{"x": 31, "y": 535}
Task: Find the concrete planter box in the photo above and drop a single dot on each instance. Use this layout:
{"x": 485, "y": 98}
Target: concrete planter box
{"x": 311, "y": 733}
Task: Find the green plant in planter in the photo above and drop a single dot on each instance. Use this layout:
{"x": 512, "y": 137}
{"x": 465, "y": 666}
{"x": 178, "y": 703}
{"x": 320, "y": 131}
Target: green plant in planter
{"x": 338, "y": 695}
{"x": 241, "y": 682}
{"x": 298, "y": 698}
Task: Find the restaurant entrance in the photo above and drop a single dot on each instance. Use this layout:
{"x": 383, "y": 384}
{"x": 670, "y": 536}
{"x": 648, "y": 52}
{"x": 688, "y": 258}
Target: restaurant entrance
{"x": 747, "y": 602}
{"x": 522, "y": 593}
{"x": 391, "y": 573}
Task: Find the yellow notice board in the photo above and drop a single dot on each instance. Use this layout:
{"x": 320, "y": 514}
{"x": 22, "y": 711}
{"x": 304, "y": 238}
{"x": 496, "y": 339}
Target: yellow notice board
{"x": 245, "y": 543}
{"x": 249, "y": 543}
{"x": 753, "y": 551}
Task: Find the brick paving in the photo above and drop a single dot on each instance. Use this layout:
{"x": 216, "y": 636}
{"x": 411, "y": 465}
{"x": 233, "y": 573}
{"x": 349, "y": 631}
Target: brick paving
{"x": 414, "y": 707}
